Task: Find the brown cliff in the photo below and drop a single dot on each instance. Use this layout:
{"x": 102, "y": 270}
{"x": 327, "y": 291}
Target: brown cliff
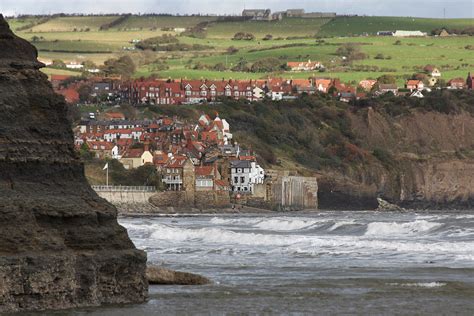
{"x": 432, "y": 163}
{"x": 60, "y": 244}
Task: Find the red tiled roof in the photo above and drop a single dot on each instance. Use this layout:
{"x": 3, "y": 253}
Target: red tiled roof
{"x": 133, "y": 153}
{"x": 204, "y": 171}
{"x": 413, "y": 82}
{"x": 115, "y": 115}
{"x": 69, "y": 94}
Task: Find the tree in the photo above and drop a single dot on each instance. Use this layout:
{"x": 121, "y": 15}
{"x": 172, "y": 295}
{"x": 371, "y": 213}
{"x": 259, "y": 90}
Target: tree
{"x": 58, "y": 63}
{"x": 266, "y": 65}
{"x": 123, "y": 66}
{"x": 84, "y": 92}
{"x": 386, "y": 79}
{"x": 351, "y": 51}
{"x": 88, "y": 64}
{"x": 85, "y": 153}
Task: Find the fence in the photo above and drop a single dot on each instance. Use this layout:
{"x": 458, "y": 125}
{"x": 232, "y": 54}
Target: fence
{"x": 122, "y": 188}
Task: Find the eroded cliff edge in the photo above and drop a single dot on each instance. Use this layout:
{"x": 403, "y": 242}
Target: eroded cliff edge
{"x": 60, "y": 244}
{"x": 431, "y": 163}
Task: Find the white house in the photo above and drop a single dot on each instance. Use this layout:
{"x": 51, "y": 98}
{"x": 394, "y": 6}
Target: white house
{"x": 116, "y": 153}
{"x": 277, "y": 95}
{"x": 258, "y": 93}
{"x": 74, "y": 65}
{"x": 245, "y": 174}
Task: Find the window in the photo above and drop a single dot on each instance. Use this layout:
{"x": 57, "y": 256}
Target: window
{"x": 242, "y": 179}
{"x": 236, "y": 179}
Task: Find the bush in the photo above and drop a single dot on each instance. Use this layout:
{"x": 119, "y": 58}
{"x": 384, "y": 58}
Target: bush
{"x": 268, "y": 37}
{"x": 383, "y": 156}
{"x": 269, "y": 64}
{"x": 232, "y": 50}
{"x": 243, "y": 36}
{"x": 379, "y": 56}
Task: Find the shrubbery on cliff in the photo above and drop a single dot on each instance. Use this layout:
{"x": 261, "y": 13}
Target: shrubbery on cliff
{"x": 315, "y": 131}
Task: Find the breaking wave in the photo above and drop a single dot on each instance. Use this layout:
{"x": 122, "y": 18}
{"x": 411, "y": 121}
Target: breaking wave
{"x": 418, "y": 227}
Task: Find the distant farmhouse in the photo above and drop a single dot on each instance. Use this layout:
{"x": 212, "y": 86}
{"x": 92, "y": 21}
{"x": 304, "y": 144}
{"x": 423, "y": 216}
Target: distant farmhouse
{"x": 402, "y": 33}
{"x": 266, "y": 14}
{"x": 304, "y": 66}
{"x": 258, "y": 14}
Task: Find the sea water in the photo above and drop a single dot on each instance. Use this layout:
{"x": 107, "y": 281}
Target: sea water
{"x": 327, "y": 263}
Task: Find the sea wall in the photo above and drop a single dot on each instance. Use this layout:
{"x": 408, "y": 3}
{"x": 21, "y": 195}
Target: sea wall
{"x": 126, "y": 197}
{"x": 198, "y": 199}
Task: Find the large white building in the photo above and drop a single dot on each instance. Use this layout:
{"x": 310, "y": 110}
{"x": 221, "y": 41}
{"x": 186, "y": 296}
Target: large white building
{"x": 245, "y": 174}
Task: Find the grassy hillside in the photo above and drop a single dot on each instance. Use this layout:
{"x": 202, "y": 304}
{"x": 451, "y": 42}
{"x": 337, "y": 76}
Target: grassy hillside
{"x": 68, "y": 24}
{"x": 353, "y": 26}
{"x": 148, "y": 22}
{"x": 284, "y": 28}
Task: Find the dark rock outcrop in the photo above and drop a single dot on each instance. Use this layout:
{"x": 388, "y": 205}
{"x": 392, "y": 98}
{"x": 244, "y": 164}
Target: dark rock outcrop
{"x": 60, "y": 244}
{"x": 162, "y": 276}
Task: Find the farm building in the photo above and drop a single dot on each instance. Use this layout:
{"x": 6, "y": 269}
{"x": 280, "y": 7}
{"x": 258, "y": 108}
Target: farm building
{"x": 258, "y": 14}
{"x": 408, "y": 33}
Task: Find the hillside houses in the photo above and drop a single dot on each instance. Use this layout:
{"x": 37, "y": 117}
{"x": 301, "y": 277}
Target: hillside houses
{"x": 176, "y": 92}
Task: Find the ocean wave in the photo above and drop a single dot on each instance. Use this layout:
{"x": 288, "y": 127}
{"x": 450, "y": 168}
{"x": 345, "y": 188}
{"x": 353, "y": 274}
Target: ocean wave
{"x": 340, "y": 224}
{"x": 420, "y": 284}
{"x": 416, "y": 227}
{"x": 271, "y": 224}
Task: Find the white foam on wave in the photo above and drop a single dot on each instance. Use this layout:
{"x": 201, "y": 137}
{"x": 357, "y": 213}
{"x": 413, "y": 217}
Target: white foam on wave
{"x": 397, "y": 229}
{"x": 272, "y": 224}
{"x": 420, "y": 284}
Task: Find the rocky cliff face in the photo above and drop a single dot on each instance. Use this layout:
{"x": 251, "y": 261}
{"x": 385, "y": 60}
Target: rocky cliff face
{"x": 60, "y": 244}
{"x": 431, "y": 164}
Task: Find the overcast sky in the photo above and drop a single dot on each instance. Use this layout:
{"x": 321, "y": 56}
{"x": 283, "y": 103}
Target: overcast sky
{"x": 418, "y": 8}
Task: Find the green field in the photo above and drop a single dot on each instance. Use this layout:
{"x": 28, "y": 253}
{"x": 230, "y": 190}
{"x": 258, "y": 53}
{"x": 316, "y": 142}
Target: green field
{"x": 354, "y": 26}
{"x": 59, "y": 41}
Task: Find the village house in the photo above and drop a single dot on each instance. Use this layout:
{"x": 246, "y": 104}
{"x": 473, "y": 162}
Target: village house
{"x": 100, "y": 149}
{"x": 367, "y": 85}
{"x": 206, "y": 177}
{"x": 175, "y": 171}
{"x": 432, "y": 71}
{"x": 414, "y": 85}
{"x": 417, "y": 94}
{"x": 134, "y": 158}
{"x": 456, "y": 83}
{"x": 304, "y": 66}
{"x": 244, "y": 174}
{"x": 386, "y": 88}
{"x": 322, "y": 85}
